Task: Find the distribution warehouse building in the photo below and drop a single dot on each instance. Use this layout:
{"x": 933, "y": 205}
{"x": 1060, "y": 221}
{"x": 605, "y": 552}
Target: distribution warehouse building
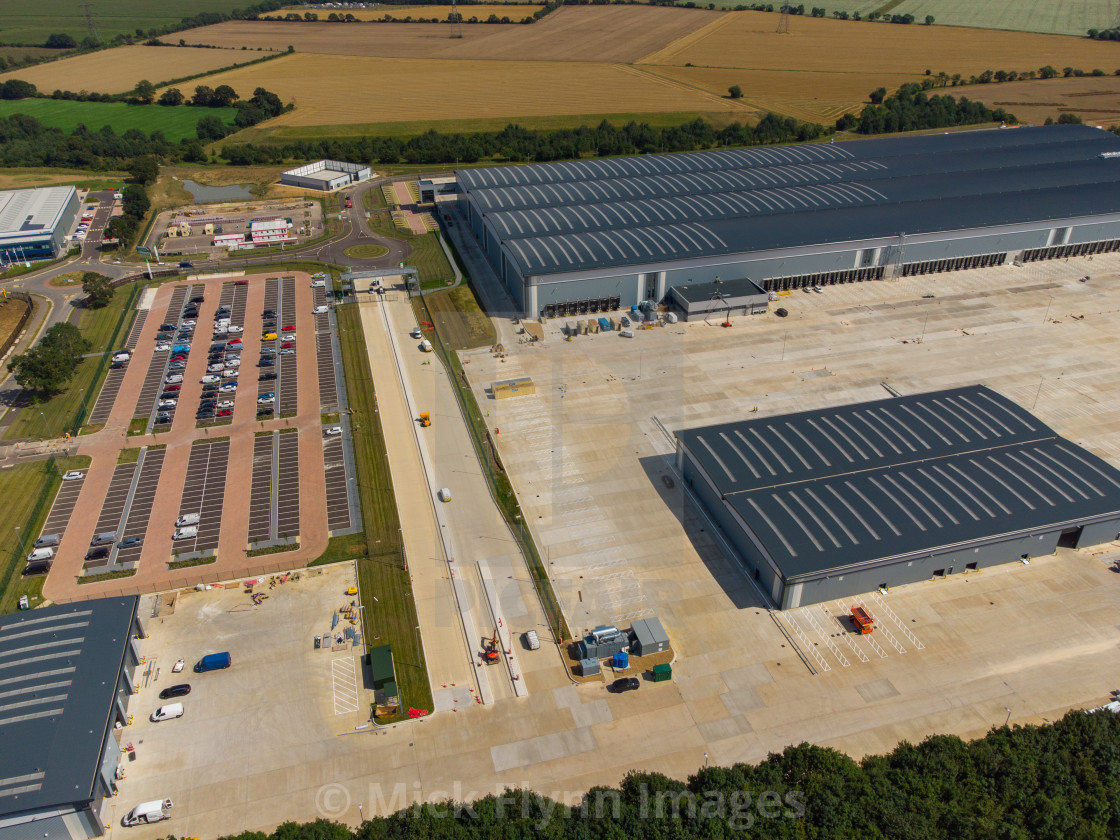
{"x": 326, "y": 175}
{"x": 34, "y": 223}
{"x": 836, "y": 502}
{"x": 66, "y": 675}
{"x": 578, "y": 236}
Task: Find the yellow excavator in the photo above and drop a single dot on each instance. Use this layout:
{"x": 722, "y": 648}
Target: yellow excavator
{"x": 425, "y": 418}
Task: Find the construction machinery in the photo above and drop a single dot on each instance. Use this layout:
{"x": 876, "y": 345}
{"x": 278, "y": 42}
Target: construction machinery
{"x": 861, "y": 618}
{"x": 492, "y": 649}
{"x": 425, "y": 418}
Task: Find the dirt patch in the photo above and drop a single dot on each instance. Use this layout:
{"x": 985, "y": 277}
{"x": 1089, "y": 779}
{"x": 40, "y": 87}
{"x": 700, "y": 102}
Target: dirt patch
{"x": 459, "y": 319}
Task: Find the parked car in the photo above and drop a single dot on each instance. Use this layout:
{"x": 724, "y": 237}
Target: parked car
{"x": 173, "y": 378}
{"x": 625, "y": 684}
{"x": 131, "y": 542}
{"x": 215, "y": 368}
{"x": 288, "y": 327}
{"x": 224, "y": 412}
{"x": 331, "y": 431}
{"x": 266, "y": 363}
{"x": 229, "y": 388}
{"x": 288, "y": 351}
{"x": 162, "y": 418}
{"x": 287, "y": 345}
{"x": 186, "y": 264}
{"x": 266, "y": 377}
{"x": 210, "y": 377}
{"x": 225, "y": 404}
{"x": 172, "y": 389}
{"x": 233, "y": 328}
{"x": 100, "y": 553}
{"x": 175, "y": 691}
{"x": 168, "y": 403}
{"x": 265, "y": 399}
{"x": 319, "y": 310}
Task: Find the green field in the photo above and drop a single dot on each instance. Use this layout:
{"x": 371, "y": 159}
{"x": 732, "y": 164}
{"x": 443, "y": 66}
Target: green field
{"x": 176, "y": 123}
{"x": 31, "y": 21}
{"x": 427, "y": 255}
{"x": 1059, "y": 17}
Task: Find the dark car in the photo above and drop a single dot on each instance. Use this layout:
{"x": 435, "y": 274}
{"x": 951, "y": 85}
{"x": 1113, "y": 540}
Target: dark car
{"x": 167, "y": 335}
{"x": 269, "y": 313}
{"x": 780, "y": 312}
{"x": 204, "y": 415}
{"x": 269, "y": 322}
{"x": 175, "y": 691}
{"x": 167, "y": 326}
{"x": 266, "y": 363}
{"x": 266, "y": 377}
{"x": 97, "y": 553}
{"x": 130, "y": 542}
{"x": 268, "y": 351}
{"x": 198, "y": 299}
{"x": 163, "y": 417}
{"x": 625, "y": 684}
{"x": 186, "y": 264}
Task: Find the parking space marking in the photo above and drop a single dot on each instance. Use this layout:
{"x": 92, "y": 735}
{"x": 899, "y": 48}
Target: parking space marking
{"x": 204, "y": 490}
{"x": 271, "y": 302}
{"x": 260, "y": 494}
{"x": 338, "y": 500}
{"x": 286, "y": 382}
{"x": 112, "y": 508}
{"x": 140, "y": 509}
{"x": 344, "y": 683}
{"x": 324, "y": 362}
{"x": 108, "y": 395}
{"x": 287, "y": 486}
{"x": 137, "y": 328}
{"x": 63, "y": 506}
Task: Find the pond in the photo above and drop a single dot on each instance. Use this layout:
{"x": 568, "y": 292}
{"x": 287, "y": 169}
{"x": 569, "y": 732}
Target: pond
{"x": 232, "y": 192}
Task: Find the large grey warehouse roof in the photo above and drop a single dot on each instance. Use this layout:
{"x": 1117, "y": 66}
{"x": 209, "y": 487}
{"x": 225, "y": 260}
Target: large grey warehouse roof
{"x": 574, "y": 216}
{"x": 58, "y": 679}
{"x": 32, "y": 211}
{"x": 829, "y": 489}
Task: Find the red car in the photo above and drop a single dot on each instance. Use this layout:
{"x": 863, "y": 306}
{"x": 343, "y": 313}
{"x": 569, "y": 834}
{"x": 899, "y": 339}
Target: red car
{"x": 233, "y": 342}
{"x": 287, "y": 345}
{"x": 170, "y": 389}
{"x": 241, "y": 283}
{"x": 225, "y": 412}
{"x": 179, "y": 358}
{"x": 289, "y": 327}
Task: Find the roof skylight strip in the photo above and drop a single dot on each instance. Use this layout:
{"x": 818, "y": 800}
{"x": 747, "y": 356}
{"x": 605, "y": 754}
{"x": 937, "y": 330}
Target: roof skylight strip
{"x": 948, "y": 408}
{"x": 839, "y": 418}
{"x": 873, "y": 507}
{"x": 797, "y": 520}
{"x": 1041, "y": 478}
{"x": 770, "y": 523}
{"x": 1022, "y": 419}
{"x": 756, "y": 453}
{"x": 980, "y": 488}
{"x": 731, "y": 445}
{"x": 1077, "y": 457}
{"x": 966, "y": 409}
{"x": 855, "y": 415}
{"x": 906, "y": 428}
{"x": 824, "y": 506}
{"x": 1022, "y": 482}
{"x": 890, "y": 428}
{"x": 960, "y": 488}
{"x": 942, "y": 421}
{"x": 1000, "y": 481}
{"x": 923, "y": 421}
{"x": 808, "y": 443}
{"x": 715, "y": 457}
{"x": 770, "y": 449}
{"x": 33, "y": 716}
{"x": 1030, "y": 455}
{"x": 853, "y": 511}
{"x": 1044, "y": 454}
{"x": 987, "y": 413}
{"x": 813, "y": 515}
{"x": 31, "y": 660}
{"x": 933, "y": 500}
{"x": 900, "y": 505}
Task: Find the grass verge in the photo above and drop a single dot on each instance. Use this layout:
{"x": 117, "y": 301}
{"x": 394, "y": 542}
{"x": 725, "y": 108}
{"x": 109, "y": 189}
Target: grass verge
{"x": 386, "y": 587}
{"x": 105, "y": 328}
{"x": 495, "y": 473}
{"x": 194, "y": 561}
{"x": 272, "y": 549}
{"x": 119, "y": 573}
{"x": 427, "y": 255}
{"x": 28, "y": 491}
{"x": 128, "y": 456}
{"x": 459, "y": 318}
{"x": 342, "y": 548}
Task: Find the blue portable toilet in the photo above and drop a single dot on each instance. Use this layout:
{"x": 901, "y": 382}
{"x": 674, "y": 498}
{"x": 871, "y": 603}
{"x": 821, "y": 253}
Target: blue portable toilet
{"x": 621, "y": 661}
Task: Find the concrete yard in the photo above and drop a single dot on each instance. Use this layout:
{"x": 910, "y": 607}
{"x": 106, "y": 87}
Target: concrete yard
{"x": 588, "y": 455}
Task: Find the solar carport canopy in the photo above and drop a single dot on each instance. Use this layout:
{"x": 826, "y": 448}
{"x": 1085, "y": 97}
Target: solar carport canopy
{"x": 829, "y": 489}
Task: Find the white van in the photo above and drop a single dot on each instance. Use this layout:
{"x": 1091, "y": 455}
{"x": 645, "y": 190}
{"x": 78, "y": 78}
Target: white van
{"x": 445, "y": 495}
{"x": 532, "y": 641}
{"x": 171, "y": 710}
{"x": 40, "y": 554}
{"x": 121, "y": 357}
{"x": 188, "y": 533}
{"x": 187, "y": 519}
{"x": 148, "y": 812}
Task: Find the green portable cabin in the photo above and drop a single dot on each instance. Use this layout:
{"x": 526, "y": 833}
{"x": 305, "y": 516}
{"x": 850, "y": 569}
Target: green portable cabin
{"x": 662, "y": 673}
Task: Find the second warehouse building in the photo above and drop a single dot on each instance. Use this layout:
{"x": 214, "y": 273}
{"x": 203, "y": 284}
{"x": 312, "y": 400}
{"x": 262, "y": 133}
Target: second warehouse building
{"x": 837, "y": 502}
{"x": 594, "y": 235}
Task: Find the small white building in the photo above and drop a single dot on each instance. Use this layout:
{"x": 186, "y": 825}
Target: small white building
{"x": 270, "y": 230}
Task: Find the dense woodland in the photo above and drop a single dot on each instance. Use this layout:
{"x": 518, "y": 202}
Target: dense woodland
{"x": 1054, "y": 781}
{"x": 912, "y": 109}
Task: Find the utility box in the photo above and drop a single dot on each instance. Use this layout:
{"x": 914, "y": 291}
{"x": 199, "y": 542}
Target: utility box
{"x": 588, "y": 667}
{"x": 648, "y": 636}
{"x": 662, "y": 673}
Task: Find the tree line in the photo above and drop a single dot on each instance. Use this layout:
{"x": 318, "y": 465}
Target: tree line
{"x": 515, "y": 143}
{"x": 1047, "y": 781}
{"x": 910, "y": 109}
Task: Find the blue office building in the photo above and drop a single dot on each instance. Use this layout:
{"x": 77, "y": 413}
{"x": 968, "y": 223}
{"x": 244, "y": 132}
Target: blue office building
{"x": 34, "y": 223}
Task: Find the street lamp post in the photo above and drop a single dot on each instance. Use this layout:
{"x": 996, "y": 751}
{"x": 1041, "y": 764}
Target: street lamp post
{"x": 1008, "y": 719}
{"x": 416, "y": 635}
{"x": 360, "y": 814}
{"x": 19, "y": 538}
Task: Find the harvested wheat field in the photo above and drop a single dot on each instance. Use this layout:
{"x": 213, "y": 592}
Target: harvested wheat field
{"x": 119, "y": 69}
{"x": 514, "y": 11}
{"x": 399, "y": 90}
{"x": 1096, "y": 99}
{"x": 813, "y": 97}
{"x": 573, "y": 33}
{"x": 749, "y": 40}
